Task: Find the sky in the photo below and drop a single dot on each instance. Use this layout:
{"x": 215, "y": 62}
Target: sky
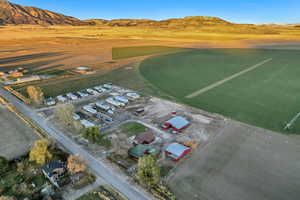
{"x": 238, "y": 11}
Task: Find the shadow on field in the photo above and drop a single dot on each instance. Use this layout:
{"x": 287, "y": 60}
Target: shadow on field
{"x": 32, "y": 67}
{"x": 28, "y": 57}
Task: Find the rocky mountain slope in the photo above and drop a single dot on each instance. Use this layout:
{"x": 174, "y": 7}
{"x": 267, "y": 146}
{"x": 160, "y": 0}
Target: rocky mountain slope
{"x": 15, "y": 14}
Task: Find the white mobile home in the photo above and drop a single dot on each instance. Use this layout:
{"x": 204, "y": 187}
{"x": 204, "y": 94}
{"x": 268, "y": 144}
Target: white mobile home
{"x": 92, "y": 91}
{"x": 72, "y": 96}
{"x": 61, "y": 98}
{"x": 89, "y": 109}
{"x": 114, "y": 103}
{"x": 121, "y": 99}
{"x": 87, "y": 124}
{"x": 133, "y": 95}
{"x": 103, "y": 106}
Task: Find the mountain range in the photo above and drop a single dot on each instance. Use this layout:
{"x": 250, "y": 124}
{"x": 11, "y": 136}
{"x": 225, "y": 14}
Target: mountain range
{"x": 11, "y": 13}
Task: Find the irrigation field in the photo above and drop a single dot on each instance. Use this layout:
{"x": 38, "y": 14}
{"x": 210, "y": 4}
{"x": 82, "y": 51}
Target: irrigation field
{"x": 257, "y": 86}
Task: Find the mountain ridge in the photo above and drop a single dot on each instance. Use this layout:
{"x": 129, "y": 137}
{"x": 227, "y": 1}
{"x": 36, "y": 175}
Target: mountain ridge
{"x": 11, "y": 13}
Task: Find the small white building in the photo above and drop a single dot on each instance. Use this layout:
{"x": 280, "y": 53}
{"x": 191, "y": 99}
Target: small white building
{"x": 89, "y": 109}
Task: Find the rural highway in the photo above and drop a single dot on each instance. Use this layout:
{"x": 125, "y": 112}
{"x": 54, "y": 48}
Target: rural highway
{"x": 95, "y": 165}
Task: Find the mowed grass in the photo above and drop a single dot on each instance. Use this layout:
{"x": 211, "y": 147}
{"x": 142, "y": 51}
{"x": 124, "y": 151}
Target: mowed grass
{"x": 129, "y": 52}
{"x": 267, "y": 97}
{"x": 132, "y": 128}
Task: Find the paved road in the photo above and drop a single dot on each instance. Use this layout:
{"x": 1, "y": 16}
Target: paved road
{"x": 99, "y": 168}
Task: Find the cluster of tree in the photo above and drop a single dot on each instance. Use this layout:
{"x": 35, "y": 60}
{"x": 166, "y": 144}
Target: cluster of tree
{"x": 4, "y": 165}
{"x": 64, "y": 113}
{"x": 148, "y": 171}
{"x": 76, "y": 164}
{"x": 35, "y": 94}
{"x": 94, "y": 135}
{"x": 40, "y": 152}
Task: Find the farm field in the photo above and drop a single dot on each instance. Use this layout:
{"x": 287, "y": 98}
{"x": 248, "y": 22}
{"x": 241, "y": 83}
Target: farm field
{"x": 242, "y": 163}
{"x": 16, "y": 137}
{"x": 264, "y": 95}
{"x": 128, "y": 52}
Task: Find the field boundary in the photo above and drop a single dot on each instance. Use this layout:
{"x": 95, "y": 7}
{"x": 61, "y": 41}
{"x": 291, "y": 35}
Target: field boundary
{"x": 221, "y": 82}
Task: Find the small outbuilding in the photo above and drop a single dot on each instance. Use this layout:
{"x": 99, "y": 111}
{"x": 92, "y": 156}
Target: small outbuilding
{"x": 177, "y": 151}
{"x": 176, "y": 123}
{"x": 145, "y": 138}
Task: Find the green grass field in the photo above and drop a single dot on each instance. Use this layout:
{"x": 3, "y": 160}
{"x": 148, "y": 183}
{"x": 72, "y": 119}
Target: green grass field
{"x": 267, "y": 96}
{"x": 128, "y": 52}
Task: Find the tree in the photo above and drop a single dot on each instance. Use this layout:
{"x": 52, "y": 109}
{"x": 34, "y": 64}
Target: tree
{"x": 4, "y": 165}
{"x": 35, "y": 94}
{"x": 40, "y": 153}
{"x": 76, "y": 164}
{"x": 148, "y": 171}
{"x": 92, "y": 134}
{"x": 64, "y": 113}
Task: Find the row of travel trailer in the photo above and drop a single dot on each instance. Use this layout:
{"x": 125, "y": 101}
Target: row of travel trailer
{"x": 73, "y": 96}
{"x": 109, "y": 106}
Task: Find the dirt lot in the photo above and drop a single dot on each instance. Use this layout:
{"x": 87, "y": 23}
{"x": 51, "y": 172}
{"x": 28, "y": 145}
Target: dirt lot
{"x": 242, "y": 163}
{"x": 16, "y": 137}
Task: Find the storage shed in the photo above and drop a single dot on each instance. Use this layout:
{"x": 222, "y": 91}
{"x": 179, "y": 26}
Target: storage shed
{"x": 177, "y": 151}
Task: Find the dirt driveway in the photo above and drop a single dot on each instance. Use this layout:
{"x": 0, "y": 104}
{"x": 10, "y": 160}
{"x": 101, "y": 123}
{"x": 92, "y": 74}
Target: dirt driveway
{"x": 243, "y": 163}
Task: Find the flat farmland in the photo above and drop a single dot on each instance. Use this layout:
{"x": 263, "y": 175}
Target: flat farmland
{"x": 257, "y": 86}
{"x": 243, "y": 163}
{"x": 16, "y": 137}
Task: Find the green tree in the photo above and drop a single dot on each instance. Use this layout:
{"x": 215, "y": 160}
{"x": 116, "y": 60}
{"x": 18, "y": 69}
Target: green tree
{"x": 35, "y": 94}
{"x": 148, "y": 171}
{"x": 64, "y": 113}
{"x": 40, "y": 153}
{"x": 4, "y": 165}
{"x": 92, "y": 134}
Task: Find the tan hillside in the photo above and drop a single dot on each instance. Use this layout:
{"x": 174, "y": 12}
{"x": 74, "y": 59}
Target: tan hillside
{"x": 15, "y": 14}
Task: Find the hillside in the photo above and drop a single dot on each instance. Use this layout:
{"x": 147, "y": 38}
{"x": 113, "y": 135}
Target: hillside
{"x": 195, "y": 21}
{"x": 15, "y": 14}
